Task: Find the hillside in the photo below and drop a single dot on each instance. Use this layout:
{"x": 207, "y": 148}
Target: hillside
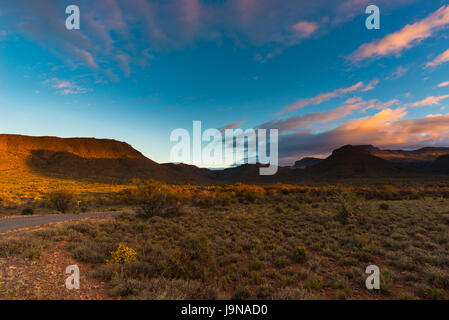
{"x": 34, "y": 162}
{"x": 349, "y": 161}
{"x": 307, "y": 162}
{"x": 440, "y": 165}
{"x": 415, "y": 158}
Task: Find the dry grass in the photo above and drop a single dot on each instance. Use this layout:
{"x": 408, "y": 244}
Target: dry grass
{"x": 274, "y": 242}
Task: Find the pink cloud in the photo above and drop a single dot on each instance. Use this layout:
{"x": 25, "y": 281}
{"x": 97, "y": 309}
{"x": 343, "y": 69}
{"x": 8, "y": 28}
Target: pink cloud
{"x": 442, "y": 58}
{"x": 87, "y": 57}
{"x": 386, "y": 129}
{"x": 233, "y": 125}
{"x": 429, "y": 101}
{"x": 304, "y": 29}
{"x": 406, "y": 38}
{"x": 310, "y": 119}
{"x": 359, "y": 86}
{"x": 443, "y": 84}
{"x": 124, "y": 61}
{"x": 65, "y": 87}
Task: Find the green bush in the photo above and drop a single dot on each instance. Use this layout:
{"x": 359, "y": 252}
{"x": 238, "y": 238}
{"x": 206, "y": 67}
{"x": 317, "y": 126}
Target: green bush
{"x": 255, "y": 265}
{"x": 156, "y": 199}
{"x": 61, "y": 200}
{"x": 300, "y": 255}
{"x": 344, "y": 293}
{"x": 27, "y": 211}
{"x": 241, "y": 293}
{"x": 281, "y": 263}
{"x": 193, "y": 259}
{"x": 436, "y": 294}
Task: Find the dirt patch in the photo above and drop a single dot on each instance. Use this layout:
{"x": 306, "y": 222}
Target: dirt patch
{"x": 45, "y": 278}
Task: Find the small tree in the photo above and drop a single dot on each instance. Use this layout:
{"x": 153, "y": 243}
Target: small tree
{"x": 156, "y": 199}
{"x": 348, "y": 206}
{"x": 61, "y": 200}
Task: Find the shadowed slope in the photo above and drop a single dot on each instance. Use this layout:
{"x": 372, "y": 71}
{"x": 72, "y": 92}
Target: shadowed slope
{"x": 350, "y": 161}
{"x": 83, "y": 158}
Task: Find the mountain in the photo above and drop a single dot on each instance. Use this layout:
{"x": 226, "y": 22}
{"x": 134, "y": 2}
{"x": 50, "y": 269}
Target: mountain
{"x": 32, "y": 159}
{"x": 419, "y": 158}
{"x": 191, "y": 170}
{"x": 307, "y": 162}
{"x": 350, "y": 162}
{"x": 102, "y": 160}
{"x": 440, "y": 165}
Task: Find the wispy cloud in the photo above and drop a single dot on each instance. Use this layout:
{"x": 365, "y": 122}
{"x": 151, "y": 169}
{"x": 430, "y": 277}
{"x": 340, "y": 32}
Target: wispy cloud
{"x": 233, "y": 125}
{"x": 443, "y": 84}
{"x": 66, "y": 87}
{"x": 429, "y": 101}
{"x": 310, "y": 119}
{"x": 359, "y": 86}
{"x": 407, "y": 37}
{"x": 399, "y": 72}
{"x": 442, "y": 58}
{"x": 304, "y": 29}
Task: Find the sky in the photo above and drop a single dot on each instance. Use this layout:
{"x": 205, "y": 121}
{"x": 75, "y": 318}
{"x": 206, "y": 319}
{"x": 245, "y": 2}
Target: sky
{"x": 138, "y": 69}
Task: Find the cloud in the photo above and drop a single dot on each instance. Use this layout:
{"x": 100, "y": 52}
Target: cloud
{"x": 87, "y": 57}
{"x": 65, "y": 87}
{"x": 359, "y": 86}
{"x": 304, "y": 29}
{"x": 443, "y": 84}
{"x": 370, "y": 86}
{"x": 429, "y": 101}
{"x": 138, "y": 28}
{"x": 407, "y": 37}
{"x": 442, "y": 58}
{"x": 399, "y": 72}
{"x": 124, "y": 61}
{"x": 386, "y": 129}
{"x": 310, "y": 119}
{"x": 233, "y": 125}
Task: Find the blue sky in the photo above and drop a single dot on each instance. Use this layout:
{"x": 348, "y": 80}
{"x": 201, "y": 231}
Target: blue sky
{"x": 136, "y": 70}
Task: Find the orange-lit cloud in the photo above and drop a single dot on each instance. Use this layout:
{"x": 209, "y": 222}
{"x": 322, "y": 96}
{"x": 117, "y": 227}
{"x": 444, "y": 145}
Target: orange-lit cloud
{"x": 311, "y": 119}
{"x": 407, "y": 37}
{"x": 443, "y": 84}
{"x": 359, "y": 86}
{"x": 442, "y": 58}
{"x": 304, "y": 29}
{"x": 233, "y": 125}
{"x": 429, "y": 101}
{"x": 386, "y": 129}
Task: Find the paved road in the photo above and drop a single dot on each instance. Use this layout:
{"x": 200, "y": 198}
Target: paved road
{"x": 8, "y": 224}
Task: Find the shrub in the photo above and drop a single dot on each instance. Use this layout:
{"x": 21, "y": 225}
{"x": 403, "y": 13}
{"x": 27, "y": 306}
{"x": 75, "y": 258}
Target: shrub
{"x": 281, "y": 263}
{"x": 300, "y": 255}
{"x": 436, "y": 294}
{"x": 348, "y": 206}
{"x": 27, "y": 211}
{"x": 313, "y": 283}
{"x": 157, "y": 199}
{"x": 123, "y": 254}
{"x": 255, "y": 265}
{"x": 384, "y": 206}
{"x": 241, "y": 293}
{"x": 265, "y": 291}
{"x": 61, "y": 200}
{"x": 87, "y": 253}
{"x": 344, "y": 293}
{"x": 193, "y": 259}
{"x": 28, "y": 248}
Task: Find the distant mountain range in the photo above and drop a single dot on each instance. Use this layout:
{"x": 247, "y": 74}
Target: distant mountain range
{"x": 117, "y": 162}
{"x": 428, "y": 159}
